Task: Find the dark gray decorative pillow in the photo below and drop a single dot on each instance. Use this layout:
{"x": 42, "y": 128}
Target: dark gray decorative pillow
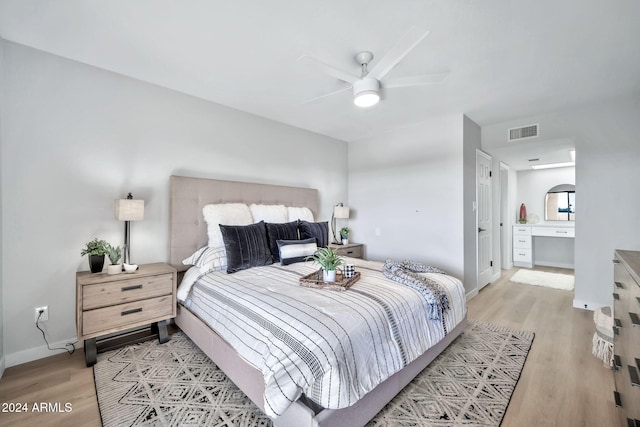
{"x": 318, "y": 230}
{"x": 246, "y": 246}
{"x": 283, "y": 231}
{"x": 296, "y": 250}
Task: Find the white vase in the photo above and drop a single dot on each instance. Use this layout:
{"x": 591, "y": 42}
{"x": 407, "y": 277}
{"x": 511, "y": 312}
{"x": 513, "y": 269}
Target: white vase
{"x": 345, "y": 241}
{"x": 328, "y": 275}
{"x": 114, "y": 269}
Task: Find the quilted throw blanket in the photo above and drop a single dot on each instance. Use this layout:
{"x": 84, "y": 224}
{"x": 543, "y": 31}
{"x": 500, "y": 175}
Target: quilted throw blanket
{"x": 332, "y": 346}
{"x": 405, "y": 272}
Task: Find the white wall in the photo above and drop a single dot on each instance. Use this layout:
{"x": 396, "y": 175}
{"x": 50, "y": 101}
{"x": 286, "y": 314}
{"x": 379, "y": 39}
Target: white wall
{"x": 406, "y": 189}
{"x": 533, "y": 186}
{"x": 606, "y": 177}
{"x": 74, "y": 138}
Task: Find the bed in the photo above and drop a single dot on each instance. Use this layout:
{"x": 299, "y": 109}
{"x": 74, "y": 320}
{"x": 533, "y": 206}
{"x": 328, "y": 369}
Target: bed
{"x": 188, "y": 233}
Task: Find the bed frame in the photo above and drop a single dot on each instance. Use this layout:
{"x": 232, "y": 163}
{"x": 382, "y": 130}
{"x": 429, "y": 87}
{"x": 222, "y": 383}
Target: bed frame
{"x": 188, "y": 232}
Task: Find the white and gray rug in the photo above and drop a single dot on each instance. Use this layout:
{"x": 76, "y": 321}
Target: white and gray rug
{"x": 546, "y": 279}
{"x": 175, "y": 384}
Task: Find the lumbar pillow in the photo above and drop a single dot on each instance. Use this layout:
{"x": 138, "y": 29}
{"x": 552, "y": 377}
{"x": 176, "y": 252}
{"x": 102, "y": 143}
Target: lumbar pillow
{"x": 269, "y": 213}
{"x": 227, "y": 214}
{"x": 317, "y": 230}
{"x": 275, "y": 232}
{"x": 296, "y": 250}
{"x": 246, "y": 246}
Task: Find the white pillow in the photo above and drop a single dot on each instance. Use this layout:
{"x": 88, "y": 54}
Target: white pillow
{"x": 208, "y": 259}
{"x": 189, "y": 278}
{"x": 303, "y": 214}
{"x": 226, "y": 214}
{"x": 275, "y": 214}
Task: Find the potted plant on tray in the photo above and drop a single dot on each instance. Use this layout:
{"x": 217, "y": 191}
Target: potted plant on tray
{"x": 329, "y": 260}
{"x": 114, "y": 256}
{"x": 344, "y": 234}
{"x": 96, "y": 249}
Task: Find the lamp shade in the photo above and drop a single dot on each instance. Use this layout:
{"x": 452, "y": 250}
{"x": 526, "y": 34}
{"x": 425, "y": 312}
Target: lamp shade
{"x": 129, "y": 209}
{"x": 341, "y": 212}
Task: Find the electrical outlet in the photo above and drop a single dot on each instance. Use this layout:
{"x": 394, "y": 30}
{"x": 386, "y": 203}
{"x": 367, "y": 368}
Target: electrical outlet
{"x": 45, "y": 313}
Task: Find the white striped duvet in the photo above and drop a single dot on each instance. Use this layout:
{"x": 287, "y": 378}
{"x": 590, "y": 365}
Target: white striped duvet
{"x": 332, "y": 346}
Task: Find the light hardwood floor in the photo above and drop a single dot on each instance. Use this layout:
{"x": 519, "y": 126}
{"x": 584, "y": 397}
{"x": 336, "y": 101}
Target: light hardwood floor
{"x": 562, "y": 384}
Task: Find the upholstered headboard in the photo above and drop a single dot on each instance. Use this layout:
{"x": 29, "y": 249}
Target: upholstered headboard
{"x": 187, "y": 228}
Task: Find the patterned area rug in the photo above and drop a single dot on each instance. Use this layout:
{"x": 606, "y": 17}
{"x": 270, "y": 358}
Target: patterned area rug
{"x": 175, "y": 384}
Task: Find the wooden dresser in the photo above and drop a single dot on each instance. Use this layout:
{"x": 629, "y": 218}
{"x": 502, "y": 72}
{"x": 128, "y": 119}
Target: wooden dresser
{"x": 626, "y": 338}
{"x": 107, "y": 304}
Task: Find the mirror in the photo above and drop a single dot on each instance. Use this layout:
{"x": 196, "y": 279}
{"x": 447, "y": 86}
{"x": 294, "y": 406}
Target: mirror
{"x": 560, "y": 203}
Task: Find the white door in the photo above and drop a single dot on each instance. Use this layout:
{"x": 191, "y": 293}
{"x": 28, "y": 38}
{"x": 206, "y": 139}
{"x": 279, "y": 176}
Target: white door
{"x": 505, "y": 225}
{"x": 483, "y": 214}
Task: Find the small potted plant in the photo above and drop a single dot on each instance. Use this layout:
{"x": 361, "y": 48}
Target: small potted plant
{"x": 96, "y": 249}
{"x": 329, "y": 260}
{"x": 114, "y": 254}
{"x": 344, "y": 233}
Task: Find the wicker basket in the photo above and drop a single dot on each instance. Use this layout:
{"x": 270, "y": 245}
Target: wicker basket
{"x": 341, "y": 283}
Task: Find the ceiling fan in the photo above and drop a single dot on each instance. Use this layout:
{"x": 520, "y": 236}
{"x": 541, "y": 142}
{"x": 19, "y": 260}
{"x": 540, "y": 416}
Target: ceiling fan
{"x": 366, "y": 87}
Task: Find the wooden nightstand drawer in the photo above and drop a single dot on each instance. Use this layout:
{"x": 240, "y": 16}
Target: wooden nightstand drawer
{"x": 353, "y": 250}
{"x": 122, "y": 291}
{"x": 106, "y": 319}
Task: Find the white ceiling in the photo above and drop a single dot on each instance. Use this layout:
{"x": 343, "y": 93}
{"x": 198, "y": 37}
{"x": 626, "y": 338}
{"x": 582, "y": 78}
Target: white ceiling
{"x": 507, "y": 59}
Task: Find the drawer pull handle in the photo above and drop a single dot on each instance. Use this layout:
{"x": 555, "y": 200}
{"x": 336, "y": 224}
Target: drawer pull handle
{"x": 561, "y": 232}
{"x": 619, "y": 285}
{"x": 635, "y": 320}
{"x": 633, "y": 375}
{"x": 617, "y": 322}
{"x": 131, "y": 288}
{"x": 638, "y": 299}
{"x": 617, "y": 399}
{"x": 616, "y": 296}
{"x": 617, "y": 363}
{"x": 132, "y": 311}
{"x": 616, "y": 330}
{"x": 615, "y": 261}
{"x": 349, "y": 252}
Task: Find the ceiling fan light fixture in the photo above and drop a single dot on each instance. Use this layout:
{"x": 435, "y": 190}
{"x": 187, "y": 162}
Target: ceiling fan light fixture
{"x": 366, "y": 92}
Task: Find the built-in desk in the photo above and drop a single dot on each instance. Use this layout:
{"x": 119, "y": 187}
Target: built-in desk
{"x": 548, "y": 249}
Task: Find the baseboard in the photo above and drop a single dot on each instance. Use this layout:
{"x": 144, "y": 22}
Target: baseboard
{"x": 554, "y": 264}
{"x": 35, "y": 353}
{"x": 586, "y": 305}
{"x": 2, "y": 366}
{"x": 472, "y": 294}
{"x": 509, "y": 266}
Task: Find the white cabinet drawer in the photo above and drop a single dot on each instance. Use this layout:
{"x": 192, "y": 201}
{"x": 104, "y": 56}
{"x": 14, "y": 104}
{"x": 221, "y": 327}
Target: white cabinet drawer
{"x": 521, "y": 230}
{"x": 554, "y": 231}
{"x": 522, "y": 255}
{"x": 522, "y": 242}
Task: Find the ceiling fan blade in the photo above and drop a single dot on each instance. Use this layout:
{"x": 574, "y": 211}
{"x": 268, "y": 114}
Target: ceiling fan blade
{"x": 331, "y": 70}
{"x": 397, "y": 52}
{"x": 425, "y": 79}
{"x": 326, "y": 95}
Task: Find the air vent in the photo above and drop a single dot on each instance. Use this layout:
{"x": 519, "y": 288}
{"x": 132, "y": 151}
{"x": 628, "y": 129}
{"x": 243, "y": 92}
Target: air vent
{"x": 524, "y": 132}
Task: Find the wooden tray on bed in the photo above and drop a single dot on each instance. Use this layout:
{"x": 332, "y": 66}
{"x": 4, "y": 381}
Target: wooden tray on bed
{"x": 341, "y": 283}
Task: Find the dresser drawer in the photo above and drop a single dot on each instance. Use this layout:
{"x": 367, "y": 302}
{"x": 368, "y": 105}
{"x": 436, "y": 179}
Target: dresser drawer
{"x": 523, "y": 242}
{"x": 102, "y": 320}
{"x": 520, "y": 230}
{"x": 522, "y": 255}
{"x": 126, "y": 290}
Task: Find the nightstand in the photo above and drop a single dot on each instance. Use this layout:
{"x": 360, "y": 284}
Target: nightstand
{"x": 353, "y": 250}
{"x": 107, "y": 304}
